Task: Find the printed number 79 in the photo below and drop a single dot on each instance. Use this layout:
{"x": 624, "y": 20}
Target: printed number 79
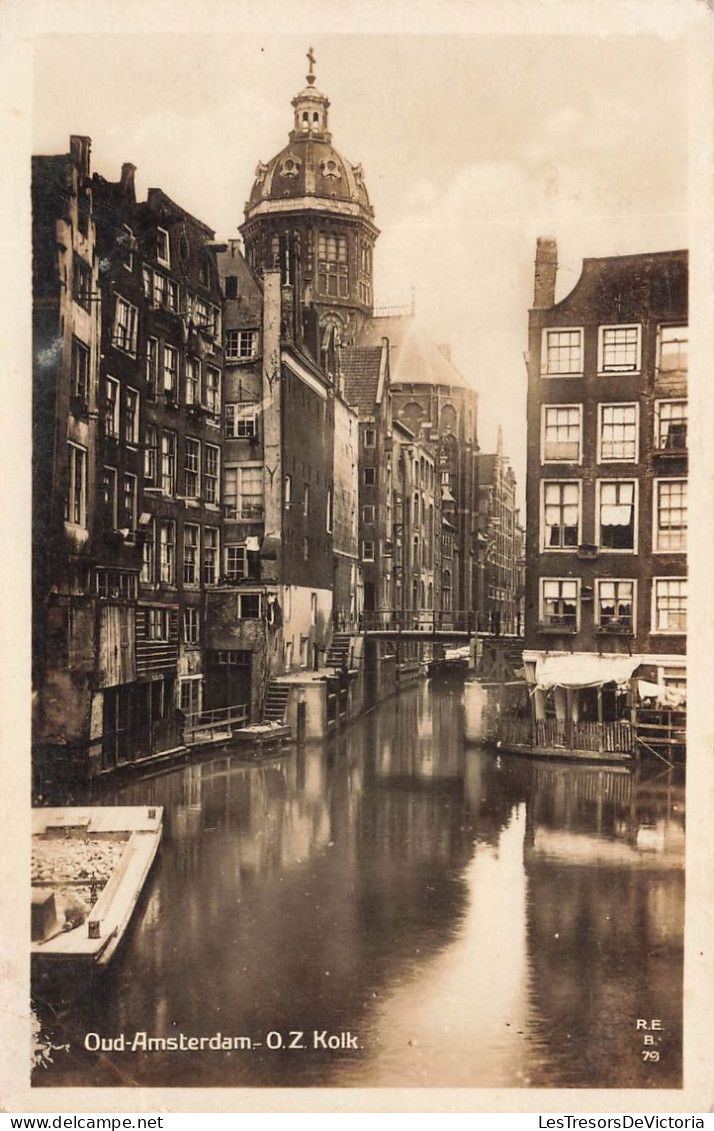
{"x": 650, "y": 1054}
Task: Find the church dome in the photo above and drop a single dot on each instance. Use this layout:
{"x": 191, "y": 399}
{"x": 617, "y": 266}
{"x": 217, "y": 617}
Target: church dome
{"x": 309, "y": 170}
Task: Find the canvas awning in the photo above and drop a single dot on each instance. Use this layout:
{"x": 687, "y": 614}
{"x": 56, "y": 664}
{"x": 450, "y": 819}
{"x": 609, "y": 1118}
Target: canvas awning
{"x": 575, "y": 670}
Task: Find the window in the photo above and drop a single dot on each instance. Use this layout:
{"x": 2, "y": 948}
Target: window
{"x": 127, "y": 243}
{"x": 241, "y": 420}
{"x": 148, "y": 558}
{"x": 287, "y": 492}
{"x": 615, "y": 604}
{"x": 190, "y": 635}
{"x": 210, "y": 555}
{"x": 168, "y": 463}
{"x": 241, "y": 345}
{"x": 170, "y": 370}
{"x": 618, "y": 433}
{"x": 79, "y": 380}
{"x": 213, "y": 390}
{"x": 370, "y": 437}
{"x": 313, "y": 609}
{"x": 152, "y": 367}
{"x": 559, "y": 603}
{"x": 305, "y": 500}
{"x": 111, "y": 408}
{"x": 369, "y": 477}
{"x": 109, "y": 496}
{"x": 81, "y": 283}
{"x": 151, "y": 443}
{"x": 673, "y": 349}
{"x": 193, "y": 380}
{"x": 561, "y": 515}
{"x": 368, "y": 551}
{"x": 190, "y": 688}
{"x": 249, "y": 606}
{"x": 561, "y": 433}
{"x": 619, "y": 349}
{"x": 562, "y": 353}
{"x": 236, "y": 562}
{"x": 192, "y": 468}
{"x": 75, "y": 509}
{"x": 617, "y": 512}
{"x": 210, "y": 478}
{"x": 157, "y": 624}
{"x": 328, "y": 511}
{"x": 125, "y": 325}
{"x": 131, "y": 416}
{"x": 190, "y": 555}
{"x": 368, "y": 514}
{"x": 206, "y": 316}
{"x": 671, "y": 425}
{"x": 163, "y": 247}
{"x": 167, "y": 552}
{"x": 332, "y": 270}
{"x": 306, "y": 549}
{"x": 670, "y": 604}
{"x": 165, "y": 291}
{"x": 670, "y": 514}
{"x": 129, "y": 502}
{"x": 116, "y": 584}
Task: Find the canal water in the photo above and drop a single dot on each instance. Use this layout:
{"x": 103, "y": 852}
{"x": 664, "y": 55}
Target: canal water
{"x": 405, "y": 910}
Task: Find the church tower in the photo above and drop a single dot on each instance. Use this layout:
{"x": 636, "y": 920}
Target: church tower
{"x": 309, "y": 213}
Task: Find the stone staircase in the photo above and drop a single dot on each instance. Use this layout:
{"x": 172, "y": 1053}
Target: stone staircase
{"x": 339, "y": 651}
{"x": 276, "y": 701}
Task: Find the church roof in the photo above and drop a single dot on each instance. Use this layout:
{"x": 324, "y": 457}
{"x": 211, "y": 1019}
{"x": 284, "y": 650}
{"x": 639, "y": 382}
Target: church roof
{"x": 361, "y": 370}
{"x": 415, "y": 359}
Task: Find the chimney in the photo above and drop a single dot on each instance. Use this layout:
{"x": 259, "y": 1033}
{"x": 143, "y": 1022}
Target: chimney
{"x": 546, "y": 268}
{"x": 127, "y": 179}
{"x": 80, "y": 149}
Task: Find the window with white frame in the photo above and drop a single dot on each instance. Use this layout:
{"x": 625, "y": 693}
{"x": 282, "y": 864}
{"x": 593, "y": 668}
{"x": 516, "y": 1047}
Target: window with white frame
{"x": 151, "y": 444}
{"x": 617, "y": 433}
{"x": 236, "y": 562}
{"x": 368, "y": 550}
{"x": 152, "y": 367}
{"x": 615, "y": 604}
{"x": 242, "y": 420}
{"x": 210, "y": 555}
{"x": 190, "y": 554}
{"x": 190, "y": 687}
{"x": 671, "y": 425}
{"x": 157, "y": 624}
{"x": 130, "y": 431}
{"x": 305, "y": 500}
{"x": 168, "y": 463}
{"x": 669, "y": 601}
{"x": 165, "y": 291}
{"x": 148, "y": 555}
{"x": 75, "y": 507}
{"x": 213, "y": 390}
{"x": 562, "y": 430}
{"x": 116, "y": 584}
{"x": 167, "y": 552}
{"x": 210, "y": 475}
{"x": 163, "y": 247}
{"x": 287, "y": 492}
{"x": 126, "y": 320}
{"x": 193, "y": 380}
{"x": 619, "y": 349}
{"x": 559, "y": 602}
{"x": 129, "y": 501}
{"x": 617, "y": 514}
{"x": 109, "y": 496}
{"x": 241, "y": 345}
{"x": 79, "y": 381}
{"x": 244, "y": 492}
{"x": 111, "y": 408}
{"x": 328, "y": 511}
{"x": 192, "y": 468}
{"x": 561, "y": 515}
{"x": 170, "y": 370}
{"x": 673, "y": 349}
{"x": 562, "y": 352}
{"x": 368, "y": 514}
{"x": 670, "y": 514}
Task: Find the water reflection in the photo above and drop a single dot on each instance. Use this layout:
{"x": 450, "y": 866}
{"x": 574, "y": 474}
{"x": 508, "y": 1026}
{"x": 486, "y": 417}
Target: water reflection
{"x": 473, "y": 920}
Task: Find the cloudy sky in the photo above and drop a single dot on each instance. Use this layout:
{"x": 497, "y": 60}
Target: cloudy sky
{"x": 472, "y": 146}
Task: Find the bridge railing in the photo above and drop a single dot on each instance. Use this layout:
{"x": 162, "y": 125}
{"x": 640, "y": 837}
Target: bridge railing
{"x": 419, "y": 620}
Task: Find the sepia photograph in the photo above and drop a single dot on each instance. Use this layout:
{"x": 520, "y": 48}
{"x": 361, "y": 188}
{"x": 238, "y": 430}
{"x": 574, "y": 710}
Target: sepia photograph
{"x": 359, "y": 559}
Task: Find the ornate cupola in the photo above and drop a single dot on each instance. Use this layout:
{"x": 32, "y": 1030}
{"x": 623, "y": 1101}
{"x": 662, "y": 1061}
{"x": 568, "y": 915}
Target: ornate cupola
{"x": 309, "y": 212}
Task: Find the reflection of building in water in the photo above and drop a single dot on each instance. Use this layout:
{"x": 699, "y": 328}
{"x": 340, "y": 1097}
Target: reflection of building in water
{"x": 421, "y": 736}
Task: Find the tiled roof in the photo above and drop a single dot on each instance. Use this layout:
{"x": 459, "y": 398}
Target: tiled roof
{"x": 360, "y": 366}
{"x": 414, "y": 359}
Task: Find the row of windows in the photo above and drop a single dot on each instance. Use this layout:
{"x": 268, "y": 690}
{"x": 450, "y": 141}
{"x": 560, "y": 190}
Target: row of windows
{"x": 163, "y": 291}
{"x": 619, "y": 350}
{"x": 560, "y": 604}
{"x": 200, "y": 554}
{"x": 618, "y": 431}
{"x": 200, "y": 475}
{"x": 615, "y": 515}
{"x": 202, "y": 382}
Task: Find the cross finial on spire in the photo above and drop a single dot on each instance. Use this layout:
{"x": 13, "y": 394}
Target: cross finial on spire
{"x": 311, "y": 60}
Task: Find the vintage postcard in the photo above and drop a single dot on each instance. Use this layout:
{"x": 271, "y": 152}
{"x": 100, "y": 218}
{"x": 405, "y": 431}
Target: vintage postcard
{"x": 357, "y": 719}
